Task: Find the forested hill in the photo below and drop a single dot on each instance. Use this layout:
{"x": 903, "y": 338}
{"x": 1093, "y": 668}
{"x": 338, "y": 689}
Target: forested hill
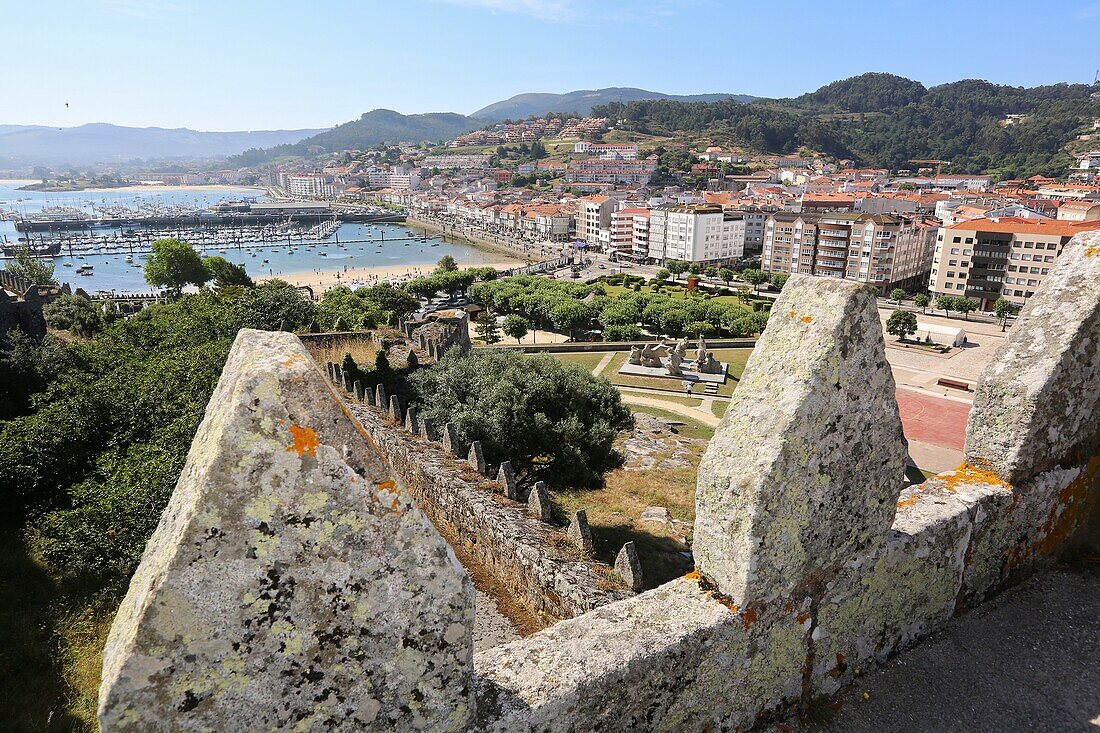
{"x": 883, "y": 120}
{"x": 372, "y": 128}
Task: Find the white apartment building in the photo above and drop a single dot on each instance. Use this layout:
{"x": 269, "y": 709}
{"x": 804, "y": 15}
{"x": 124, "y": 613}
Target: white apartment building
{"x": 608, "y": 151}
{"x": 701, "y": 233}
{"x": 458, "y": 162}
{"x": 310, "y": 186}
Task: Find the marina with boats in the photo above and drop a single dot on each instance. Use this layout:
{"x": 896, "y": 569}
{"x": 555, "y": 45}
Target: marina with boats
{"x": 92, "y": 250}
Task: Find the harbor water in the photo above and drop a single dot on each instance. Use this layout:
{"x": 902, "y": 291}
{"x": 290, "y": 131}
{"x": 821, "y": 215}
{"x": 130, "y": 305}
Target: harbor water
{"x": 388, "y": 245}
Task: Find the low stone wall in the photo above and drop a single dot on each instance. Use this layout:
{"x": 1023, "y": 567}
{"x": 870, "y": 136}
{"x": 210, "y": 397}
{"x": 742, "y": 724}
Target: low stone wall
{"x": 535, "y": 561}
{"x": 812, "y": 561}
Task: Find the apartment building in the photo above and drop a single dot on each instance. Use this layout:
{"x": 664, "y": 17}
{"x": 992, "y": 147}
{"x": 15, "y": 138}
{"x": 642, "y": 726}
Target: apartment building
{"x": 986, "y": 259}
{"x": 593, "y": 214}
{"x": 882, "y": 250}
{"x": 309, "y": 186}
{"x": 622, "y": 231}
{"x": 702, "y": 233}
{"x": 608, "y": 151}
{"x": 598, "y": 170}
{"x": 457, "y": 162}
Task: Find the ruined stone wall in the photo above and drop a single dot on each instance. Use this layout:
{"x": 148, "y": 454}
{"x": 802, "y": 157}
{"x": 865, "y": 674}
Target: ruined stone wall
{"x": 812, "y": 560}
{"x": 534, "y": 560}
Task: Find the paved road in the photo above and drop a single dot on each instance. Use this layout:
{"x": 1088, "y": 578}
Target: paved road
{"x": 1027, "y": 661}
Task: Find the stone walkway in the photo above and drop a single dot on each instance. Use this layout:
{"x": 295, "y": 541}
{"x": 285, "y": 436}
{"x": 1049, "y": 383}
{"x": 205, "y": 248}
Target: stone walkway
{"x": 598, "y": 369}
{"x": 1027, "y": 661}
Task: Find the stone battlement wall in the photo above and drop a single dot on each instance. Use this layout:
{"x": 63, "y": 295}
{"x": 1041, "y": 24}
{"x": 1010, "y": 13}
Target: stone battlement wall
{"x": 535, "y": 561}
{"x": 290, "y": 583}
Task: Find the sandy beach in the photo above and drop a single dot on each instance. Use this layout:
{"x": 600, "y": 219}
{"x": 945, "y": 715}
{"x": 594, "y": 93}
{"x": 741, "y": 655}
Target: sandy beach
{"x": 359, "y": 276}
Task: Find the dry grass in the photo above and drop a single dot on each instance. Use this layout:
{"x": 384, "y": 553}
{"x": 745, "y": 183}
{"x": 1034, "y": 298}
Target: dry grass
{"x": 588, "y": 360}
{"x": 362, "y": 348}
{"x": 615, "y": 510}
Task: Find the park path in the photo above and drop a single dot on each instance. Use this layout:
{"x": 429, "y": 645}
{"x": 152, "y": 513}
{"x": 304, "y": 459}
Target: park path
{"x": 598, "y": 369}
{"x": 632, "y": 397}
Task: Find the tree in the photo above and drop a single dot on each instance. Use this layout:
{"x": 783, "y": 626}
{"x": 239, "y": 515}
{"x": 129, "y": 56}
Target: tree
{"x": 897, "y": 295}
{"x": 1004, "y": 308}
{"x": 779, "y": 280}
{"x": 174, "y": 264}
{"x": 901, "y": 323}
{"x": 965, "y": 305}
{"x": 394, "y": 303}
{"x": 35, "y": 270}
{"x": 726, "y": 275}
{"x": 945, "y": 303}
{"x": 73, "y": 313}
{"x": 553, "y": 422}
{"x": 622, "y": 333}
{"x": 446, "y": 264}
{"x": 695, "y": 268}
{"x": 711, "y": 272}
{"x": 515, "y": 326}
{"x": 227, "y": 273}
{"x": 487, "y": 329}
{"x": 676, "y": 267}
{"x": 756, "y": 278}
{"x": 663, "y": 274}
{"x": 921, "y": 301}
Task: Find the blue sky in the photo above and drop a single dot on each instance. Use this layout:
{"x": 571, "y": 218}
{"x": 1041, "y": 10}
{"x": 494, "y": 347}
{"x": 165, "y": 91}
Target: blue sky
{"x": 246, "y": 64}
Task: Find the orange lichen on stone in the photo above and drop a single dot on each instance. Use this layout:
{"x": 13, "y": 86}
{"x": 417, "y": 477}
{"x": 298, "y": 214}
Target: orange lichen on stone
{"x": 970, "y": 474}
{"x": 1091, "y": 251}
{"x": 748, "y": 617}
{"x": 792, "y": 314}
{"x": 388, "y": 485}
{"x": 907, "y": 502}
{"x": 693, "y": 575}
{"x": 305, "y": 441}
{"x": 293, "y": 358}
{"x": 1065, "y": 517}
{"x": 807, "y": 319}
{"x": 802, "y": 617}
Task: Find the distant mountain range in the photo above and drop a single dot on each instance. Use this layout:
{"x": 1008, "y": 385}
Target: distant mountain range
{"x": 101, "y": 143}
{"x": 582, "y": 101}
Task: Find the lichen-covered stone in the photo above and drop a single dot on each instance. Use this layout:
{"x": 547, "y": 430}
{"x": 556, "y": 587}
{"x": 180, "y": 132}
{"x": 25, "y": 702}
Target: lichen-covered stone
{"x": 476, "y": 458}
{"x": 450, "y": 440}
{"x": 395, "y": 409}
{"x": 803, "y": 472}
{"x": 581, "y": 533}
{"x": 359, "y": 391}
{"x": 381, "y": 398}
{"x": 372, "y": 400}
{"x": 629, "y": 566}
{"x": 1038, "y": 400}
{"x": 538, "y": 501}
{"x": 412, "y": 423}
{"x": 290, "y": 584}
{"x": 348, "y": 382}
{"x": 506, "y": 477}
{"x": 671, "y": 659}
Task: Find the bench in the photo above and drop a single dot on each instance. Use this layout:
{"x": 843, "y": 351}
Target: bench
{"x": 953, "y": 384}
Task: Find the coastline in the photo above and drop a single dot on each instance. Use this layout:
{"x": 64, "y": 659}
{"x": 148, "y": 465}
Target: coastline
{"x": 153, "y": 188}
{"x": 482, "y": 243}
{"x": 367, "y": 276}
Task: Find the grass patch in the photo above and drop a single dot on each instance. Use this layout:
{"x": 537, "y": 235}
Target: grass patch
{"x": 51, "y": 645}
{"x": 588, "y": 360}
{"x": 362, "y": 348}
{"x": 719, "y": 407}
